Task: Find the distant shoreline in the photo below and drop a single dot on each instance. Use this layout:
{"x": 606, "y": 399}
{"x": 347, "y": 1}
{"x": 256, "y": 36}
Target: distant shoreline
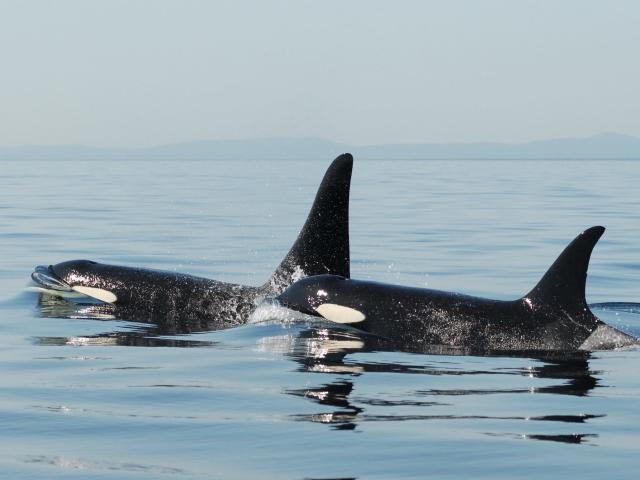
{"x": 606, "y": 146}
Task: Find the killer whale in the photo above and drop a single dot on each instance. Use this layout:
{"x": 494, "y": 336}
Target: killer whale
{"x": 152, "y": 295}
{"x": 554, "y": 315}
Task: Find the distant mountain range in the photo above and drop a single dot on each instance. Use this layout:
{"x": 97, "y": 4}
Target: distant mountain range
{"x": 602, "y": 146}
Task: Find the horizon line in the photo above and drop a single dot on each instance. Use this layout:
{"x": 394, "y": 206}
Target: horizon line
{"x": 322, "y": 139}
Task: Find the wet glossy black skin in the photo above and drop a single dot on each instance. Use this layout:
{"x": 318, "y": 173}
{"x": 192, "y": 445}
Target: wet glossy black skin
{"x": 414, "y": 315}
{"x": 159, "y": 293}
{"x": 553, "y": 316}
{"x": 151, "y": 295}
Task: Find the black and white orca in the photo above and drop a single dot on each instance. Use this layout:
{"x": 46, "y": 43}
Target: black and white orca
{"x": 552, "y": 316}
{"x": 322, "y": 247}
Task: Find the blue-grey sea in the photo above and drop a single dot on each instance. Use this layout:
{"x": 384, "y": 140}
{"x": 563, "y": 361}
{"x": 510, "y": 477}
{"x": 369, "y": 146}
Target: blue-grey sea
{"x": 105, "y": 399}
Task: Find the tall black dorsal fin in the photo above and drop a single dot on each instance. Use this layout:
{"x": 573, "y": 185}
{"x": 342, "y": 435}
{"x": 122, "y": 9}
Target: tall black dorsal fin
{"x": 564, "y": 283}
{"x": 323, "y": 243}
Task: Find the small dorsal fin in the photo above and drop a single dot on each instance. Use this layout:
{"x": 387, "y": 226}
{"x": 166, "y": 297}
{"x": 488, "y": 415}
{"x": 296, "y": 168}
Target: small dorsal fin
{"x": 323, "y": 243}
{"x": 564, "y": 283}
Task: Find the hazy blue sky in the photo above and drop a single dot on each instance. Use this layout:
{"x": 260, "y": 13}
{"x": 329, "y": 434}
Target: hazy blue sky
{"x": 136, "y": 73}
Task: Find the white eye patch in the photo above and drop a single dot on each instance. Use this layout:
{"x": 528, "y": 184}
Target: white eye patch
{"x": 340, "y": 314}
{"x": 97, "y": 293}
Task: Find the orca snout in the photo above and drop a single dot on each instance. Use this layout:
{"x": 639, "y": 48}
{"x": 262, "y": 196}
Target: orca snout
{"x": 297, "y": 298}
{"x": 308, "y": 294}
{"x": 45, "y": 275}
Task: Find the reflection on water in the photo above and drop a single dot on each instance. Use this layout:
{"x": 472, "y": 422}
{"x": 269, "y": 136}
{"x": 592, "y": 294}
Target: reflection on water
{"x": 106, "y": 466}
{"x": 571, "y": 373}
{"x": 335, "y": 395}
{"x": 161, "y": 323}
{"x": 130, "y": 339}
{"x": 146, "y": 332}
{"x": 568, "y": 438}
{"x": 327, "y": 349}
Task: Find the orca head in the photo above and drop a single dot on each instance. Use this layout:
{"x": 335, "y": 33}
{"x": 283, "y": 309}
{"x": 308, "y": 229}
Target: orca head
{"x": 81, "y": 276}
{"x": 327, "y": 296}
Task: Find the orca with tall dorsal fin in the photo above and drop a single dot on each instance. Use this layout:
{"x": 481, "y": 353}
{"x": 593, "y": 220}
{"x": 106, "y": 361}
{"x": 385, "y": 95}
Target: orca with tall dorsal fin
{"x": 322, "y": 247}
{"x": 552, "y": 316}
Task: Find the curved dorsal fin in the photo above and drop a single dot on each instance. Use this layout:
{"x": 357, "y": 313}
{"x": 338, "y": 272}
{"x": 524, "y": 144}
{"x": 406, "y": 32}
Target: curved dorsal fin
{"x": 564, "y": 283}
{"x": 323, "y": 243}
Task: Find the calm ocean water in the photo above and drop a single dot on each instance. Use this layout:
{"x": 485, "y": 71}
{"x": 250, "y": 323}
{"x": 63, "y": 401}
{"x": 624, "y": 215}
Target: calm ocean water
{"x": 87, "y": 398}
